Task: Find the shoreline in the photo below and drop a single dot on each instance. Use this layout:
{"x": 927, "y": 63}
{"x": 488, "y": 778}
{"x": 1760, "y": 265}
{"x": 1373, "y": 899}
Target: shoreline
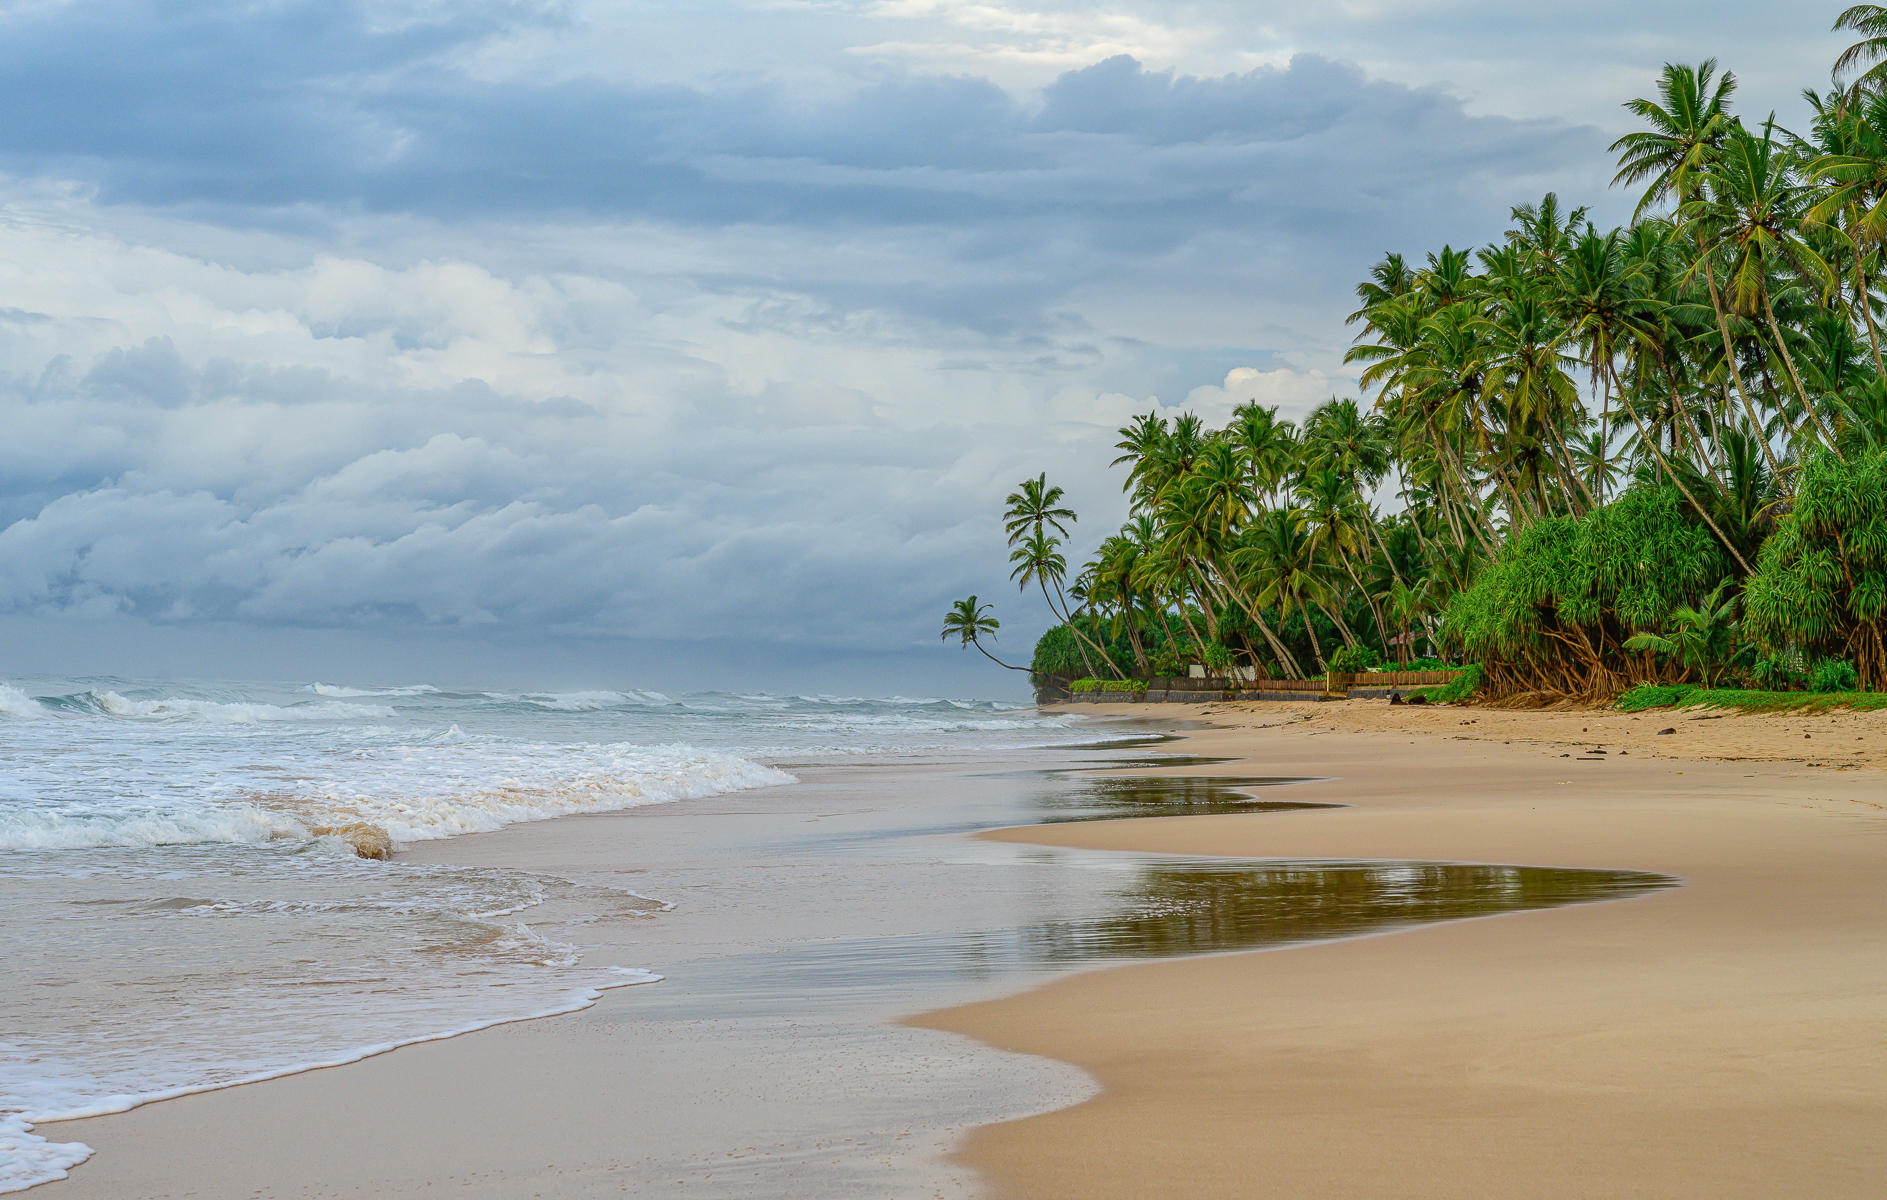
{"x": 1719, "y": 1038}
{"x": 1175, "y": 1045}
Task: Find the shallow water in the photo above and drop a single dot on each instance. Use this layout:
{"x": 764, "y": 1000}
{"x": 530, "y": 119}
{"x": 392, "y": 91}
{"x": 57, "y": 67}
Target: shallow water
{"x": 181, "y": 915}
{"x": 1143, "y": 907}
{"x": 791, "y": 925}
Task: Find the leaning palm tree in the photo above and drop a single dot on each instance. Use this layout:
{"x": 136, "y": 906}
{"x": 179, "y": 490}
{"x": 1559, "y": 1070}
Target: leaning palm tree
{"x": 970, "y": 622}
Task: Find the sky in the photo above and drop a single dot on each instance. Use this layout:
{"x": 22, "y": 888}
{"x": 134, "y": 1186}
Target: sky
{"x": 697, "y": 344}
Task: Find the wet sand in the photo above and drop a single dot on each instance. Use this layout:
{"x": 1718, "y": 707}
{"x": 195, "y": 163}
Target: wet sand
{"x": 1724, "y": 1038}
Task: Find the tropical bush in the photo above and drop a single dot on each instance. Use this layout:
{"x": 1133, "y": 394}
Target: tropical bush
{"x": 1820, "y": 587}
{"x": 1553, "y": 613}
{"x": 1352, "y": 660}
{"x": 1461, "y": 689}
{"x": 1832, "y": 675}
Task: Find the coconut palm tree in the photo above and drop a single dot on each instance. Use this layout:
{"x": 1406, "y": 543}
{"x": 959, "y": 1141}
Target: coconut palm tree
{"x": 1036, "y": 522}
{"x": 1870, "y": 21}
{"x": 1752, "y": 211}
{"x": 1688, "y": 121}
{"x": 969, "y": 622}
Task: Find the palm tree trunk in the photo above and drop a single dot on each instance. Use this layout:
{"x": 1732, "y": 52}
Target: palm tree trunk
{"x": 1080, "y": 647}
{"x": 999, "y": 662}
{"x": 1311, "y": 633}
{"x": 1067, "y": 618}
{"x": 1788, "y": 364}
{"x": 1284, "y": 656}
{"x": 1665, "y": 464}
{"x": 1736, "y": 377}
{"x": 1452, "y": 465}
{"x": 1866, "y": 299}
{"x": 1382, "y": 630}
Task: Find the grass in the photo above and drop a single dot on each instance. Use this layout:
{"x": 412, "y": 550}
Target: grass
{"x": 1648, "y": 696}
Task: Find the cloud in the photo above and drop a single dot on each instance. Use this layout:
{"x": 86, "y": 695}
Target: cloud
{"x": 368, "y": 316}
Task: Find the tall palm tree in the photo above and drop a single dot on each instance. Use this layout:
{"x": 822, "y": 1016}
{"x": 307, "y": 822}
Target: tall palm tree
{"x": 1036, "y": 520}
{"x": 1687, "y": 120}
{"x": 1282, "y": 565}
{"x": 1752, "y": 212}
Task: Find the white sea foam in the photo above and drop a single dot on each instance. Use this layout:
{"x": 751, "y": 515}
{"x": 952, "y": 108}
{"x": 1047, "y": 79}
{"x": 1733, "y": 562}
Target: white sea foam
{"x": 221, "y": 712}
{"x": 354, "y": 693}
{"x": 413, "y": 792}
{"x": 28, "y": 1160}
{"x": 590, "y": 701}
{"x": 236, "y": 824}
{"x": 17, "y": 705}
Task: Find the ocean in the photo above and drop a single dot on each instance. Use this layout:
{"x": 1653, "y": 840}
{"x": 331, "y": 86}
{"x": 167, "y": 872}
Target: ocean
{"x": 187, "y": 908}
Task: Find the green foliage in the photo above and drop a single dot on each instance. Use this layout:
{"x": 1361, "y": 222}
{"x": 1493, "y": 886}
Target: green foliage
{"x": 1776, "y": 673}
{"x": 1463, "y": 688}
{"x": 1700, "y": 639}
{"x": 1649, "y": 696}
{"x": 1416, "y": 664}
{"x": 1820, "y": 585}
{"x": 1553, "y": 612}
{"x": 1166, "y": 664}
{"x": 1057, "y": 652}
{"x": 1832, "y": 675}
{"x": 1129, "y": 686}
{"x": 1351, "y": 660}
{"x": 1217, "y": 657}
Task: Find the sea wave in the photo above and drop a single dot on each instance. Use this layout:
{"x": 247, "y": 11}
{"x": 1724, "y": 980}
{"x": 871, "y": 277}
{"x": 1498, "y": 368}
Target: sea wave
{"x": 215, "y": 712}
{"x": 18, "y": 706}
{"x": 411, "y": 793}
{"x": 338, "y": 691}
{"x": 589, "y": 701}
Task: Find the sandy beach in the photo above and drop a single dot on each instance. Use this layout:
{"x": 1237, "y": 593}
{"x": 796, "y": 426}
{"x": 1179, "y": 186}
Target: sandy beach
{"x": 1721, "y": 1038}
{"x": 1724, "y": 1038}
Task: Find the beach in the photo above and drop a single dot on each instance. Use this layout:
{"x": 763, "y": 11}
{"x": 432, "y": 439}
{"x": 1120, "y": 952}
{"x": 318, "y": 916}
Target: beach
{"x": 1721, "y": 1037}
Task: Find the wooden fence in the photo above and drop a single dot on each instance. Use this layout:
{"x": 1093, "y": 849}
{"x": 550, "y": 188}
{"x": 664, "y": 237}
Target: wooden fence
{"x": 1377, "y": 683}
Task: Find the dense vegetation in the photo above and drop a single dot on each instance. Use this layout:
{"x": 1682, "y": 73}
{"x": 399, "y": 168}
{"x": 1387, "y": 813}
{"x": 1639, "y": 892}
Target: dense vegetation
{"x": 1587, "y": 459}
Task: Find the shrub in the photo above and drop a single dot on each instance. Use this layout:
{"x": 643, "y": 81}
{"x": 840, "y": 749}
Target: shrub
{"x": 1551, "y": 614}
{"x": 1218, "y": 657}
{"x": 1166, "y": 664}
{"x": 1821, "y": 580}
{"x": 1353, "y": 659}
{"x": 1832, "y": 675}
{"x": 1459, "y": 690}
{"x": 1776, "y": 673}
{"x": 1086, "y": 685}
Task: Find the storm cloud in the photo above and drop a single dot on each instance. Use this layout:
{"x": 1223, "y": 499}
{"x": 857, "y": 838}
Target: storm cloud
{"x": 677, "y": 322}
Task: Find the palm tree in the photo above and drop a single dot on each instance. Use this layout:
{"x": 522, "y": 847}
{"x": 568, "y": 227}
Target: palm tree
{"x": 1699, "y": 638}
{"x": 968, "y": 622}
{"x": 1870, "y": 21}
{"x": 1034, "y": 509}
{"x": 1753, "y": 212}
{"x": 1688, "y": 121}
{"x": 1279, "y": 560}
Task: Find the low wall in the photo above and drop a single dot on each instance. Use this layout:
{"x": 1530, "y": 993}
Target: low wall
{"x": 1377, "y": 685}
